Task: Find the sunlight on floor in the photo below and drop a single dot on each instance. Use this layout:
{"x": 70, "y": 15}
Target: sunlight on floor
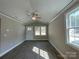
{"x": 36, "y": 50}
{"x": 41, "y": 52}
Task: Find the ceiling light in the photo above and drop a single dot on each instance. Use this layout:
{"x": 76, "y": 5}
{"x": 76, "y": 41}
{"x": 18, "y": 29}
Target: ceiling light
{"x": 33, "y": 18}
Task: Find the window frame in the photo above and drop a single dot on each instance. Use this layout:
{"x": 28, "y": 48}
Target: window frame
{"x": 67, "y": 29}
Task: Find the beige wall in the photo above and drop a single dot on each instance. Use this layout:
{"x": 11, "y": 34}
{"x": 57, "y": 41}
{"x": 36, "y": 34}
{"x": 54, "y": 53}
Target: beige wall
{"x": 12, "y": 34}
{"x": 57, "y": 34}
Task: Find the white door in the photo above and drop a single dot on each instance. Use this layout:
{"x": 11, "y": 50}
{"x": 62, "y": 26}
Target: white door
{"x": 29, "y": 33}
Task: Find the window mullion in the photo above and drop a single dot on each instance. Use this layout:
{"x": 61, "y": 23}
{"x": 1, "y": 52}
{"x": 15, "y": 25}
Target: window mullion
{"x": 40, "y": 30}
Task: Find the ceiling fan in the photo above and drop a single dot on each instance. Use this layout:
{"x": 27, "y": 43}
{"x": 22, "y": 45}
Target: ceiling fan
{"x": 34, "y": 15}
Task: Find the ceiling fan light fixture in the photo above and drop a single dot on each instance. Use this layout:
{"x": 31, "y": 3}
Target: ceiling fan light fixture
{"x": 33, "y": 18}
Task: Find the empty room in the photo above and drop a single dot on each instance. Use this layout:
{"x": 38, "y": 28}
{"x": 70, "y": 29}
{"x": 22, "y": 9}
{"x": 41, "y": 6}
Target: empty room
{"x": 39, "y": 29}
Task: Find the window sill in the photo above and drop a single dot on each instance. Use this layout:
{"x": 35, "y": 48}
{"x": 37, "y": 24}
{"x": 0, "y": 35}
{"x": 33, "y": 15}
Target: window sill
{"x": 75, "y": 46}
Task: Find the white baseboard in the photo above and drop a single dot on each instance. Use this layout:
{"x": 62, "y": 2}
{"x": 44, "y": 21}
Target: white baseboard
{"x": 64, "y": 56}
{"x": 10, "y": 49}
{"x": 36, "y": 39}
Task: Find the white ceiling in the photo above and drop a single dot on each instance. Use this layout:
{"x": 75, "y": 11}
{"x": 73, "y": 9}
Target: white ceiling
{"x": 46, "y": 8}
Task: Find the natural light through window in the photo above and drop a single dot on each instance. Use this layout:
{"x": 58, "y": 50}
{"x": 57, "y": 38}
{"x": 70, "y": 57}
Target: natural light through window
{"x": 37, "y": 30}
{"x": 29, "y": 28}
{"x": 36, "y": 50}
{"x": 41, "y": 52}
{"x": 43, "y": 30}
{"x": 40, "y": 30}
{"x": 72, "y": 27}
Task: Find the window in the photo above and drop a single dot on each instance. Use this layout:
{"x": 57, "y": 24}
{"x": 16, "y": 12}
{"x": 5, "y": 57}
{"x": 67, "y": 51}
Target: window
{"x": 29, "y": 28}
{"x": 43, "y": 30}
{"x": 40, "y": 30}
{"x": 72, "y": 27}
{"x": 37, "y": 30}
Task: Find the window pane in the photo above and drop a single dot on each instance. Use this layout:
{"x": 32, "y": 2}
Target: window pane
{"x": 43, "y": 30}
{"x": 29, "y": 28}
{"x": 71, "y": 20}
{"x": 77, "y": 18}
{"x": 76, "y": 36}
{"x": 71, "y": 35}
{"x": 37, "y": 30}
{"x": 74, "y": 19}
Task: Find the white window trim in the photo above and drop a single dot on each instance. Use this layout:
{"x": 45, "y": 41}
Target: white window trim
{"x": 75, "y": 46}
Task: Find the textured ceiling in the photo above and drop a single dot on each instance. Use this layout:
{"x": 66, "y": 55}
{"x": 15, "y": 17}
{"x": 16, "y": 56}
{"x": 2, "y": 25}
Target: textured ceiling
{"x": 46, "y": 8}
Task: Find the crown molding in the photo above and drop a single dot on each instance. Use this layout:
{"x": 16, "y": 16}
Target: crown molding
{"x": 10, "y": 17}
{"x": 63, "y": 10}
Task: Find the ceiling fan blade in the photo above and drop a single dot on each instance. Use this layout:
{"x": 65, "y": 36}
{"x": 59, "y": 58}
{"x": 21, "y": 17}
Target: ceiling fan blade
{"x": 38, "y": 17}
{"x": 28, "y": 13}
